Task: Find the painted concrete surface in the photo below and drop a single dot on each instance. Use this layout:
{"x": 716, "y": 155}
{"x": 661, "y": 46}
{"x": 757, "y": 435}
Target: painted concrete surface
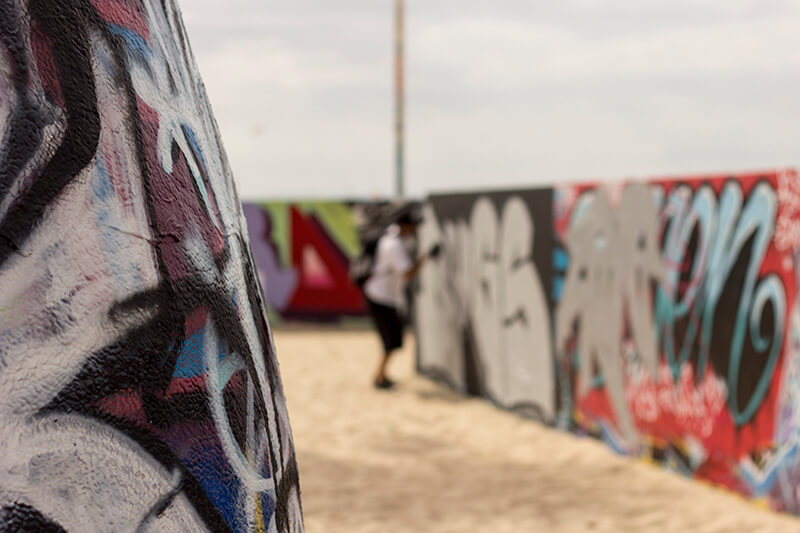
{"x": 139, "y": 387}
{"x": 660, "y": 315}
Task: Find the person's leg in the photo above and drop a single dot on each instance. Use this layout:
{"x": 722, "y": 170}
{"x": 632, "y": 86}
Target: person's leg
{"x": 382, "y": 317}
{"x": 392, "y": 337}
{"x": 380, "y": 377}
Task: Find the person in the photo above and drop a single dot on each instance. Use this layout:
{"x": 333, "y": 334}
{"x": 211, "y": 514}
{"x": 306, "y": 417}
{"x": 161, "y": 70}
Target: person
{"x": 384, "y": 289}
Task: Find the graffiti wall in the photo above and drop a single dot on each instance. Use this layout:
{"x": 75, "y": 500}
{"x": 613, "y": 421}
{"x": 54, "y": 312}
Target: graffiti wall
{"x": 667, "y": 312}
{"x": 139, "y": 389}
{"x": 482, "y": 310}
{"x": 303, "y": 252}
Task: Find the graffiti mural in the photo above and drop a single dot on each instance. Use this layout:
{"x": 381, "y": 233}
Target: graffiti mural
{"x": 675, "y": 324}
{"x": 483, "y": 305}
{"x": 139, "y": 388}
{"x": 303, "y": 252}
{"x": 614, "y": 257}
{"x": 699, "y": 272}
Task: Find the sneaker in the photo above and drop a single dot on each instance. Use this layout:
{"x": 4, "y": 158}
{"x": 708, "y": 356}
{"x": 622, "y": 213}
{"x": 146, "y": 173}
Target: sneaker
{"x": 385, "y": 384}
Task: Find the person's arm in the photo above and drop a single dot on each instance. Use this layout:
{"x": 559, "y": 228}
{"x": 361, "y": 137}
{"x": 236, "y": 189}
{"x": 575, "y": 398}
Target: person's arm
{"x": 415, "y": 268}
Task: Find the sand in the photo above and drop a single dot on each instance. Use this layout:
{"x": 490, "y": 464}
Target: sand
{"x": 422, "y": 459}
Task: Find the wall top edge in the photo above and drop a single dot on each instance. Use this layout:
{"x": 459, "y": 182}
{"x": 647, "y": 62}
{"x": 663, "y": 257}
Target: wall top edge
{"x": 700, "y": 176}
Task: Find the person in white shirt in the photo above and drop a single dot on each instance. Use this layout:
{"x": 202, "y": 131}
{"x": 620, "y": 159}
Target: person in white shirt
{"x": 385, "y": 288}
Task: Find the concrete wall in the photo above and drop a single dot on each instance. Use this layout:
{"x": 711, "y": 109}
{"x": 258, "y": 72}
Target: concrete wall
{"x": 139, "y": 388}
{"x": 303, "y": 252}
{"x": 660, "y": 316}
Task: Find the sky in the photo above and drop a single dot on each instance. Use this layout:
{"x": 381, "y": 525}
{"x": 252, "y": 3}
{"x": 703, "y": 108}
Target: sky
{"x": 500, "y": 93}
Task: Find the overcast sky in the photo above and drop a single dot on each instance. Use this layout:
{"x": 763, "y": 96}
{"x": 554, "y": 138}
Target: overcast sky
{"x": 499, "y": 92}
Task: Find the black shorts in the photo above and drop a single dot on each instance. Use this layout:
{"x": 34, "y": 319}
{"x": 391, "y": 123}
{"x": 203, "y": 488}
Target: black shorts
{"x": 389, "y": 324}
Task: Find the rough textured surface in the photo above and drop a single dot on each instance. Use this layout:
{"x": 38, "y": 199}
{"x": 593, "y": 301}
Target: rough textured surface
{"x": 139, "y": 389}
{"x": 660, "y": 316}
{"x": 422, "y": 459}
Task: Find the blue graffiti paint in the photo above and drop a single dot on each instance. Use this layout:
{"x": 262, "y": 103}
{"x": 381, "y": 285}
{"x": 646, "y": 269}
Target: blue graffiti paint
{"x": 560, "y": 259}
{"x": 558, "y": 288}
{"x": 137, "y": 45}
{"x": 211, "y": 467}
{"x": 192, "y": 357}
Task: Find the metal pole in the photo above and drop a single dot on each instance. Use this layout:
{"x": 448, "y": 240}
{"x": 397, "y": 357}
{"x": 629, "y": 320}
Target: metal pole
{"x": 399, "y": 97}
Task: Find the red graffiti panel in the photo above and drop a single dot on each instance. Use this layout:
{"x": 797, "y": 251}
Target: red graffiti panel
{"x": 673, "y": 315}
{"x": 324, "y": 284}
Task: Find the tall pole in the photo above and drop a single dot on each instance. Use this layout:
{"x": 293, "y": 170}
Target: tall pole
{"x": 399, "y": 99}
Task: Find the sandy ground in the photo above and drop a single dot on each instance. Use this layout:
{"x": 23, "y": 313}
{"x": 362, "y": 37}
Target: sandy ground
{"x": 421, "y": 459}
